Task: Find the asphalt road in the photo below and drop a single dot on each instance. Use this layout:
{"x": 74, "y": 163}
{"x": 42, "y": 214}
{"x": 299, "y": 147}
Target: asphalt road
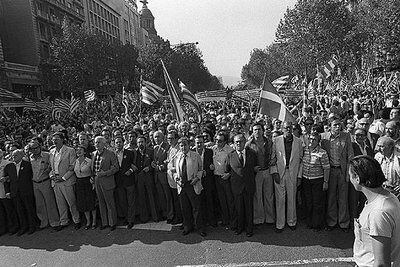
{"x": 163, "y": 247}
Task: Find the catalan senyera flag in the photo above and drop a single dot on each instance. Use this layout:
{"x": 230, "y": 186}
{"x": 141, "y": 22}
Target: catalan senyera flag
{"x": 330, "y": 66}
{"x": 174, "y": 94}
{"x": 190, "y": 99}
{"x": 281, "y": 84}
{"x": 151, "y": 93}
{"x": 90, "y": 95}
{"x": 74, "y": 104}
{"x": 271, "y": 103}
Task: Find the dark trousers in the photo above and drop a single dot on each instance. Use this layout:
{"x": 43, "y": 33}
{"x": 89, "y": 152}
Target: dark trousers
{"x": 208, "y": 204}
{"x": 356, "y": 202}
{"x": 244, "y": 211}
{"x": 177, "y": 210}
{"x": 8, "y": 216}
{"x": 25, "y": 206}
{"x": 190, "y": 203}
{"x": 314, "y": 201}
{"x": 225, "y": 198}
{"x": 146, "y": 197}
{"x": 164, "y": 199}
{"x": 125, "y": 200}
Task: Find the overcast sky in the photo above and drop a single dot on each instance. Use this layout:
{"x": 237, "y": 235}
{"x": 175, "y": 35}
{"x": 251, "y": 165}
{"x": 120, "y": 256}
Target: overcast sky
{"x": 227, "y": 30}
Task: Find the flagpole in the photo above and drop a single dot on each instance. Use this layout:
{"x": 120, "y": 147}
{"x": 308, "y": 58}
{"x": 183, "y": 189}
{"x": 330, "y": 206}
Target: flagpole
{"x": 259, "y": 101}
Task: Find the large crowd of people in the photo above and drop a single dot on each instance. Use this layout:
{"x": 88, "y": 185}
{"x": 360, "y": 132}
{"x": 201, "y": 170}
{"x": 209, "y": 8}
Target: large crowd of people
{"x": 235, "y": 169}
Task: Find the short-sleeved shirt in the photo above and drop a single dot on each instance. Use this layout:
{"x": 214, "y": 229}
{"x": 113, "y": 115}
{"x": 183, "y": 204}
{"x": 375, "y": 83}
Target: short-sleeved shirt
{"x": 381, "y": 217}
{"x": 315, "y": 162}
{"x": 83, "y": 169}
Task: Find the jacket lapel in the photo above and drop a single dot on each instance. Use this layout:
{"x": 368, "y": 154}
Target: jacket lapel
{"x": 281, "y": 145}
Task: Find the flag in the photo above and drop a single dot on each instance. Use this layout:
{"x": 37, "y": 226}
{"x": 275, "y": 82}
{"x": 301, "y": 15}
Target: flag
{"x": 173, "y": 94}
{"x": 190, "y": 99}
{"x": 281, "y": 84}
{"x": 61, "y": 104}
{"x": 271, "y": 103}
{"x": 29, "y": 104}
{"x": 330, "y": 66}
{"x": 8, "y": 94}
{"x": 90, "y": 95}
{"x": 45, "y": 104}
{"x": 56, "y": 114}
{"x": 125, "y": 100}
{"x": 74, "y": 104}
{"x": 210, "y": 96}
{"x": 151, "y": 93}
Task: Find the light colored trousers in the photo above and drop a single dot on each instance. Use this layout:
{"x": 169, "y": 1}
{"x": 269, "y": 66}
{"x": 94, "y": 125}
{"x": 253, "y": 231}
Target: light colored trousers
{"x": 264, "y": 210}
{"x": 46, "y": 206}
{"x": 286, "y": 191}
{"x": 65, "y": 198}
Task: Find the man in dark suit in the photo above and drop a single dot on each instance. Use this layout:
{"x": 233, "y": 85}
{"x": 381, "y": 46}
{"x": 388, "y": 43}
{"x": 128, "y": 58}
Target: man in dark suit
{"x": 242, "y": 168}
{"x": 209, "y": 193}
{"x": 371, "y": 139}
{"x": 145, "y": 181}
{"x": 125, "y": 191}
{"x": 159, "y": 164}
{"x": 104, "y": 166}
{"x": 21, "y": 191}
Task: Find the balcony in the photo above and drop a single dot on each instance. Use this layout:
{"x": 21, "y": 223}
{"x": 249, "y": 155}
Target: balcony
{"x": 66, "y": 9}
{"x": 41, "y": 14}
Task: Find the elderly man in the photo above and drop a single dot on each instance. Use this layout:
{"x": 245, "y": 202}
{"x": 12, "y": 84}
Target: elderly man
{"x": 264, "y": 211}
{"x": 105, "y": 166}
{"x": 389, "y": 163}
{"x": 21, "y": 191}
{"x": 364, "y": 123}
{"x": 287, "y": 176}
{"x": 189, "y": 171}
{"x": 340, "y": 150}
{"x": 46, "y": 206}
{"x": 62, "y": 162}
{"x": 392, "y": 131}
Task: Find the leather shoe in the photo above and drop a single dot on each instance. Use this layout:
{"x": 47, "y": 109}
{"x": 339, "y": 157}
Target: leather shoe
{"x": 130, "y": 225}
{"x": 31, "y": 231}
{"x": 77, "y": 226}
{"x": 87, "y": 227}
{"x": 94, "y": 226}
{"x": 103, "y": 227}
{"x": 250, "y": 234}
{"x": 113, "y": 228}
{"x": 292, "y": 227}
{"x": 278, "y": 231}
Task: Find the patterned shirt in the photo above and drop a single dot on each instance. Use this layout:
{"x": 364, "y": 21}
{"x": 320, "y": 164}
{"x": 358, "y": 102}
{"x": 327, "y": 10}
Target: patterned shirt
{"x": 335, "y": 150}
{"x": 97, "y": 161}
{"x": 315, "y": 162}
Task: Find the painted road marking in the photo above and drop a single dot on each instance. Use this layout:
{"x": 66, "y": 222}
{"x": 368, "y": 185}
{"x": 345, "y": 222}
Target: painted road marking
{"x": 278, "y": 263}
{"x": 153, "y": 226}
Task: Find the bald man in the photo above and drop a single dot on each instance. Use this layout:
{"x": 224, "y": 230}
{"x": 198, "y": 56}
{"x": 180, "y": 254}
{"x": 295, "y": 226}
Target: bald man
{"x": 389, "y": 163}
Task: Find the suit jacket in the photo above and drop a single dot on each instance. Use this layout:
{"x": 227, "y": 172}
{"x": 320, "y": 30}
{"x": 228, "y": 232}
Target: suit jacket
{"x": 296, "y": 157}
{"x": 66, "y": 165}
{"x": 194, "y": 169}
{"x": 372, "y": 138}
{"x": 208, "y": 180}
{"x": 242, "y": 176}
{"x": 143, "y": 161}
{"x": 109, "y": 165}
{"x": 122, "y": 180}
{"x": 21, "y": 183}
{"x": 160, "y": 157}
{"x": 346, "y": 149}
{"x": 357, "y": 150}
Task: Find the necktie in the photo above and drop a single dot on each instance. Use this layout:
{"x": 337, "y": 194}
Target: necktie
{"x": 241, "y": 157}
{"x": 184, "y": 171}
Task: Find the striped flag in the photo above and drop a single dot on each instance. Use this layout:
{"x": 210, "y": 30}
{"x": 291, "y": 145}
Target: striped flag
{"x": 329, "y": 67}
{"x": 61, "y": 104}
{"x": 174, "y": 94}
{"x": 8, "y": 94}
{"x": 271, "y": 103}
{"x": 30, "y": 104}
{"x": 74, "y": 104}
{"x": 151, "y": 93}
{"x": 190, "y": 99}
{"x": 281, "y": 84}
{"x": 56, "y": 114}
{"x": 90, "y": 95}
{"x": 45, "y": 104}
{"x": 210, "y": 96}
{"x": 293, "y": 93}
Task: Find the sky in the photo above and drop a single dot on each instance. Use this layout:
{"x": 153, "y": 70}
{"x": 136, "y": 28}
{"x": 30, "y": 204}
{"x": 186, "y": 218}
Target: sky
{"x": 226, "y": 30}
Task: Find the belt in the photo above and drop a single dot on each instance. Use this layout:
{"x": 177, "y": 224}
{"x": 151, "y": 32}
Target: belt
{"x": 264, "y": 169}
{"x": 39, "y": 182}
{"x": 336, "y": 167}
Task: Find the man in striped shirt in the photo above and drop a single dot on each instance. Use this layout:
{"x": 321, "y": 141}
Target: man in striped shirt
{"x": 315, "y": 180}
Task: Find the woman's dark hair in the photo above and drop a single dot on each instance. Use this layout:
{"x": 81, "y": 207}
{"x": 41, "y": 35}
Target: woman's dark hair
{"x": 369, "y": 171}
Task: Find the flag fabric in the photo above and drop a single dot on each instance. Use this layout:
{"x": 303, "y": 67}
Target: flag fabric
{"x": 329, "y": 67}
{"x": 45, "y": 105}
{"x": 61, "y": 104}
{"x": 174, "y": 94}
{"x": 74, "y": 104}
{"x": 151, "y": 93}
{"x": 281, "y": 84}
{"x": 210, "y": 96}
{"x": 293, "y": 93}
{"x": 189, "y": 98}
{"x": 8, "y": 94}
{"x": 271, "y": 103}
{"x": 125, "y": 100}
{"x": 90, "y": 95}
{"x": 30, "y": 104}
{"x": 56, "y": 114}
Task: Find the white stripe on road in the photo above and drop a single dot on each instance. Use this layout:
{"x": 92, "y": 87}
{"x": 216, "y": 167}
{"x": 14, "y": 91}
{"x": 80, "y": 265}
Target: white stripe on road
{"x": 277, "y": 263}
